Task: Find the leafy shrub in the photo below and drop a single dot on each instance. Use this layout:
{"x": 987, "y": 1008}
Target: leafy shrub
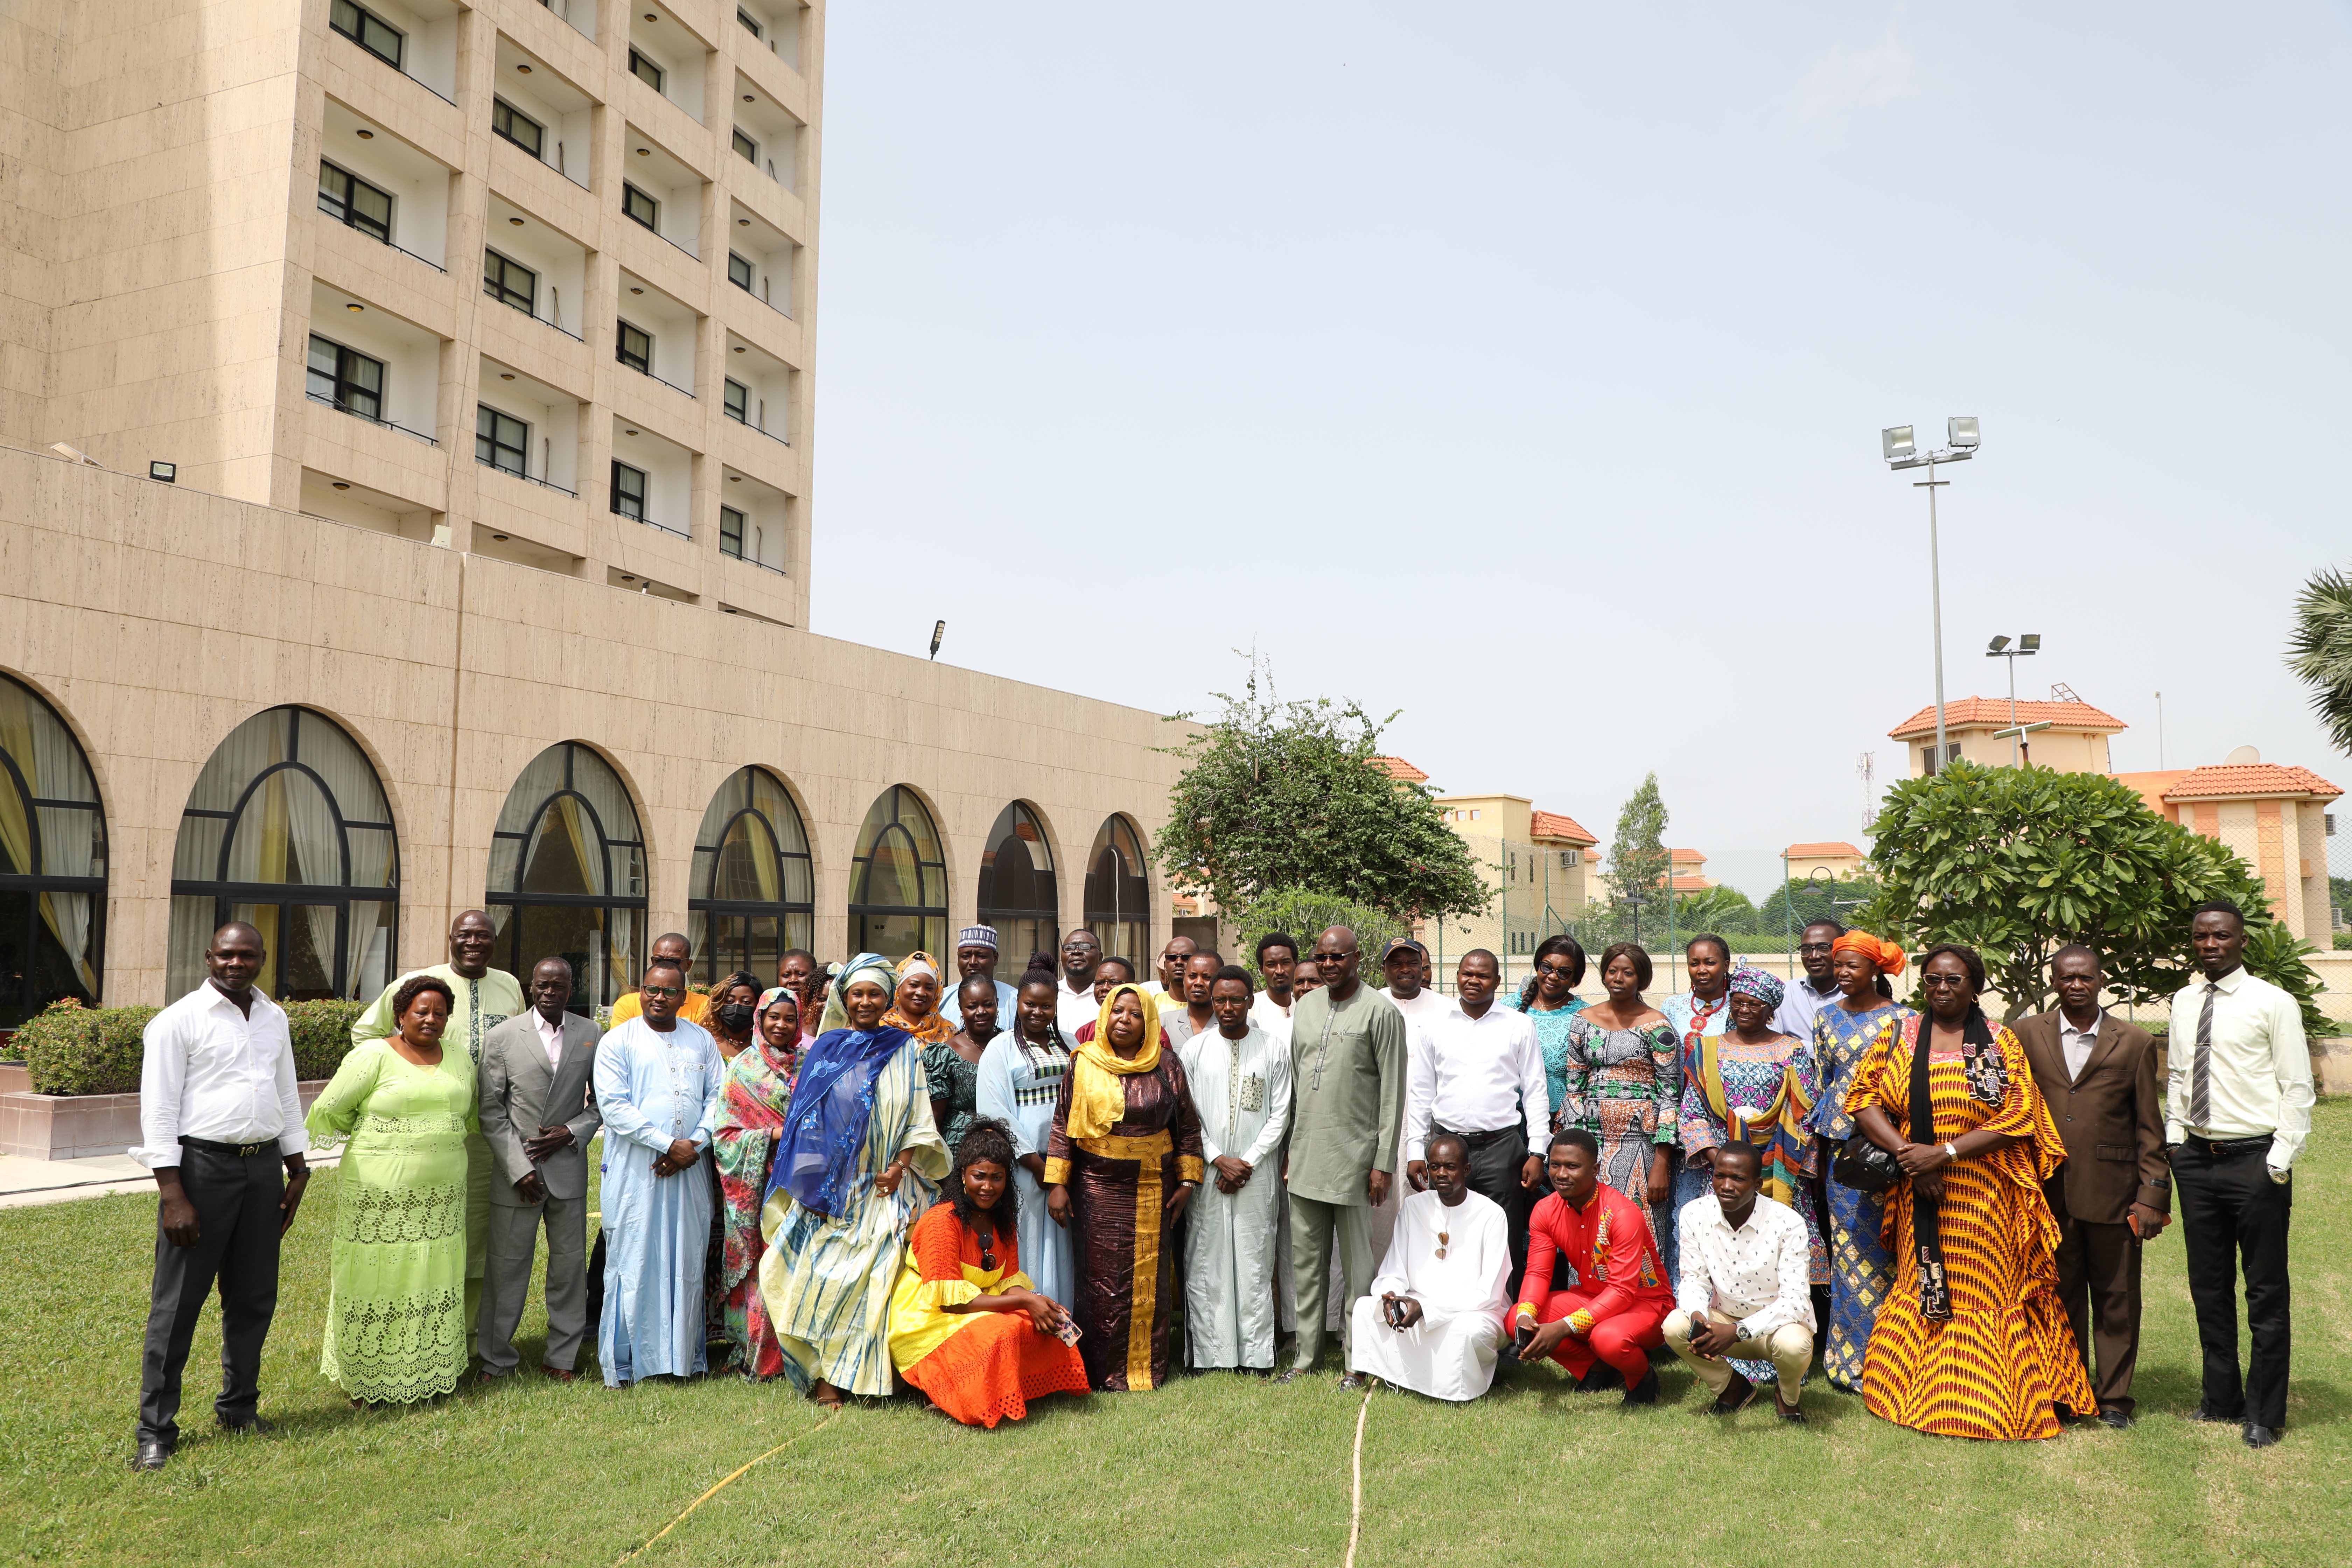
{"x": 2275, "y": 954}
{"x": 1306, "y": 916}
{"x": 73, "y": 1050}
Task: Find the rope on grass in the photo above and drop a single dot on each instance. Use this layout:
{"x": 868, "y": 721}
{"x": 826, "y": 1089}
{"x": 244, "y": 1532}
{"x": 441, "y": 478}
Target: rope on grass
{"x": 738, "y": 1475}
{"x": 1356, "y": 1506}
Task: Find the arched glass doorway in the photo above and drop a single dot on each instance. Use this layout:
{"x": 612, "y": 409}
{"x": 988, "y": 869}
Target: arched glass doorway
{"x": 1119, "y": 899}
{"x": 752, "y": 894}
{"x": 898, "y": 881}
{"x": 52, "y": 861}
{"x": 1017, "y": 890}
{"x": 567, "y": 874}
{"x": 288, "y": 830}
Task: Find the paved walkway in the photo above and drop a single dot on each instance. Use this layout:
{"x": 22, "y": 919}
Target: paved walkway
{"x": 26, "y": 1182}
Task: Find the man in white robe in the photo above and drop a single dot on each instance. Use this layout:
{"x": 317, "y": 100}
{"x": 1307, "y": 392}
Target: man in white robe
{"x": 1434, "y": 1321}
{"x": 1240, "y": 1077}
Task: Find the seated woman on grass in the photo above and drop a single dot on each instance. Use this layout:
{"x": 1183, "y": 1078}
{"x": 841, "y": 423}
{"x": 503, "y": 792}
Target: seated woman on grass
{"x": 966, "y": 1326}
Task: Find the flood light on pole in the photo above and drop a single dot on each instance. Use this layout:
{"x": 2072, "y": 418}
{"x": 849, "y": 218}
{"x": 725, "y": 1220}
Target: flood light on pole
{"x": 1901, "y": 449}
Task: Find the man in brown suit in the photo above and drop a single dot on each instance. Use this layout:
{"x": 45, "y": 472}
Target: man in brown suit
{"x": 2115, "y": 1191}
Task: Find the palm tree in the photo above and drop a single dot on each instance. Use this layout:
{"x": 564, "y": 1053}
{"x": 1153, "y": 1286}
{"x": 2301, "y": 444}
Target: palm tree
{"x": 2319, "y": 651}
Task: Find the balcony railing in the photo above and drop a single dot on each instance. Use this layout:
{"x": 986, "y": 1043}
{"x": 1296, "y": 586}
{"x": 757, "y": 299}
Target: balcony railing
{"x": 532, "y": 479}
{"x": 651, "y": 376}
{"x": 387, "y": 424}
{"x": 761, "y": 564}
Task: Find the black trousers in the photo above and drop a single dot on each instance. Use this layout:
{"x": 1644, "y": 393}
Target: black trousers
{"x": 2232, "y": 1213}
{"x": 1494, "y": 1166}
{"x": 238, "y": 1221}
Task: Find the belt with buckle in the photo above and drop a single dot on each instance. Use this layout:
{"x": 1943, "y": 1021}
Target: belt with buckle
{"x": 235, "y": 1150}
{"x": 2232, "y": 1147}
{"x": 1477, "y": 1140}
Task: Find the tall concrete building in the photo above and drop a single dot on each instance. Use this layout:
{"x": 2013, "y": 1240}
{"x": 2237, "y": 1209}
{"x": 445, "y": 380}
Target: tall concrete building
{"x": 271, "y": 647}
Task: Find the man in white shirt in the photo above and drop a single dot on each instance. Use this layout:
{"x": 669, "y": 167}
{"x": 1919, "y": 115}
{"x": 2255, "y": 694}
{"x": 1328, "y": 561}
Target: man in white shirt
{"x": 1745, "y": 1289}
{"x": 1405, "y": 967}
{"x": 1240, "y": 1081}
{"x": 1434, "y": 1321}
{"x": 1075, "y": 1004}
{"x": 1476, "y": 1070}
{"x": 218, "y": 1112}
{"x": 1278, "y": 960}
{"x": 2238, "y": 1111}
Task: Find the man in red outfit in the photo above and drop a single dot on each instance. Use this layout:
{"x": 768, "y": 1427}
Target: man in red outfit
{"x": 1615, "y": 1314}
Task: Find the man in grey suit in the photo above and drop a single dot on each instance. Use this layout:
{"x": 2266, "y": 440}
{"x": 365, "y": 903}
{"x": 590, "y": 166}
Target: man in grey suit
{"x": 536, "y": 1073}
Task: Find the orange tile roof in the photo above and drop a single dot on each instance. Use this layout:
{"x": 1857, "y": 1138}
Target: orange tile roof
{"x": 2251, "y": 778}
{"x": 1820, "y": 851}
{"x": 1688, "y": 858}
{"x": 1692, "y": 884}
{"x": 1976, "y": 712}
{"x": 1400, "y": 769}
{"x": 1552, "y": 825}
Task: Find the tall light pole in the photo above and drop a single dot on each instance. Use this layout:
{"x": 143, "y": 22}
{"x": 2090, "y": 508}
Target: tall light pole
{"x": 1902, "y": 452}
{"x": 2027, "y": 646}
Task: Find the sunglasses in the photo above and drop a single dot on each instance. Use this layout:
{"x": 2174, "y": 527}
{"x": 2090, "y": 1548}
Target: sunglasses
{"x": 661, "y": 991}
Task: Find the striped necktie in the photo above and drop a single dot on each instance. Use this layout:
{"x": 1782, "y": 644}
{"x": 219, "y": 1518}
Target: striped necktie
{"x": 2200, "y": 1076}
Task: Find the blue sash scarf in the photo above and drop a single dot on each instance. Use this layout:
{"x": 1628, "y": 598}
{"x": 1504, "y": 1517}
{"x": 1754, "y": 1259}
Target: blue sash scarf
{"x": 825, "y": 1119}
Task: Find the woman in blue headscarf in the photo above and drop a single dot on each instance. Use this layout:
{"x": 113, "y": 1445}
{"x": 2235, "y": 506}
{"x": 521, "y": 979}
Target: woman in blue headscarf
{"x": 856, "y": 1161}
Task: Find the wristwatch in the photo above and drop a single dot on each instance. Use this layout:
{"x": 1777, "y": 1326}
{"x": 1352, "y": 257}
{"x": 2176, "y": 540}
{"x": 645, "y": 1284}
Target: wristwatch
{"x": 1951, "y": 1154}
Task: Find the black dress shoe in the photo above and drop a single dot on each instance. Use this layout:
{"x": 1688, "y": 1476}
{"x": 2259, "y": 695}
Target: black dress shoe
{"x": 153, "y": 1454}
{"x": 1600, "y": 1379}
{"x": 2260, "y": 1436}
{"x": 1737, "y": 1395}
{"x": 1352, "y": 1383}
{"x": 253, "y": 1427}
{"x": 2114, "y": 1417}
{"x": 2207, "y": 1414}
{"x": 1789, "y": 1413}
{"x": 1644, "y": 1392}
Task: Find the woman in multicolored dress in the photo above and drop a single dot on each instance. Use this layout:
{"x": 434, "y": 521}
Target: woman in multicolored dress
{"x": 1860, "y": 1268}
{"x": 1549, "y": 999}
{"x": 1623, "y": 1076}
{"x": 752, "y": 1100}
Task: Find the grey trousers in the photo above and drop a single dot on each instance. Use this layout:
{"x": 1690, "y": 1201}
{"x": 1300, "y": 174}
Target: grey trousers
{"x": 236, "y": 1202}
{"x": 506, "y": 1283}
{"x": 1313, "y": 1226}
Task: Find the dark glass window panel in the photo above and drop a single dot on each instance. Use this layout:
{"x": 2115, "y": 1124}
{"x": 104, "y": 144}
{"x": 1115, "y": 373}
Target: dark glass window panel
{"x": 745, "y": 148}
{"x": 731, "y": 538}
{"x": 633, "y": 347}
{"x": 644, "y": 70}
{"x": 636, "y": 205}
{"x": 751, "y": 24}
{"x": 510, "y": 281}
{"x": 629, "y": 490}
{"x": 346, "y": 378}
{"x": 348, "y": 199}
{"x": 739, "y": 272}
{"x": 368, "y": 30}
{"x": 1117, "y": 897}
{"x": 518, "y": 127}
{"x": 736, "y": 398}
{"x": 501, "y": 440}
{"x": 566, "y": 820}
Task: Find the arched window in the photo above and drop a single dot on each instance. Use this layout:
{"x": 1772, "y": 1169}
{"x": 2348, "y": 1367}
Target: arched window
{"x": 567, "y": 874}
{"x": 898, "y": 881}
{"x": 1017, "y": 890}
{"x": 52, "y": 861}
{"x": 1118, "y": 899}
{"x": 288, "y": 830}
{"x": 751, "y": 894}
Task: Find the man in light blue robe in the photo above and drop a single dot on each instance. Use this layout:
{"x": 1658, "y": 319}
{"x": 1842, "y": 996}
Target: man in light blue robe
{"x": 657, "y": 1081}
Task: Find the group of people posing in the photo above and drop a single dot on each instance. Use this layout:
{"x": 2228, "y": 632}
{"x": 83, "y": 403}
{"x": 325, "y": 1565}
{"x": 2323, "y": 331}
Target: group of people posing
{"x": 877, "y": 1172}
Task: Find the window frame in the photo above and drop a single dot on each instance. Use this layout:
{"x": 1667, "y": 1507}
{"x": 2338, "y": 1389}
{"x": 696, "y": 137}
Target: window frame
{"x": 500, "y": 106}
{"x": 713, "y": 923}
{"x": 650, "y": 218}
{"x": 750, "y": 24}
{"x": 620, "y": 961}
{"x": 341, "y": 378}
{"x": 20, "y": 991}
{"x": 739, "y": 412}
{"x": 643, "y": 364}
{"x": 350, "y": 216}
{"x": 358, "y": 30}
{"x": 641, "y": 62}
{"x": 500, "y": 289}
{"x": 743, "y": 140}
{"x": 620, "y": 495}
{"x": 742, "y": 521}
{"x": 750, "y": 271}
{"x": 520, "y": 446}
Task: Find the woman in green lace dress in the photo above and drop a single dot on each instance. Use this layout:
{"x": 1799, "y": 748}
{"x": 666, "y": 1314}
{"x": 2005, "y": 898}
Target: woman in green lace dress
{"x": 403, "y": 1106}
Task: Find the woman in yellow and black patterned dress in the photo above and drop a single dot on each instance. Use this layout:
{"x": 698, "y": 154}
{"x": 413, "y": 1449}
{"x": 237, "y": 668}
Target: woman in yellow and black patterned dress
{"x": 1972, "y": 1341}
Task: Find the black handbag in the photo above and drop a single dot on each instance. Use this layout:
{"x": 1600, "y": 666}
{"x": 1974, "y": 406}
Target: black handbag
{"x": 1863, "y": 1166}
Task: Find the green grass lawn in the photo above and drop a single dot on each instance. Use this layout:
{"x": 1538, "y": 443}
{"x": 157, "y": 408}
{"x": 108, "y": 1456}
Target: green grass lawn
{"x": 1213, "y": 1470}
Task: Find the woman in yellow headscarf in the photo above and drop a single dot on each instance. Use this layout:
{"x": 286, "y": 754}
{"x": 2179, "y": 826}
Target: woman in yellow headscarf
{"x": 1123, "y": 1160}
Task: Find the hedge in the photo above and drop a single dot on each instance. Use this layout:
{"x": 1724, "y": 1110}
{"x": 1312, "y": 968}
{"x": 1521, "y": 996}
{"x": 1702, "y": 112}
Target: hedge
{"x": 73, "y": 1050}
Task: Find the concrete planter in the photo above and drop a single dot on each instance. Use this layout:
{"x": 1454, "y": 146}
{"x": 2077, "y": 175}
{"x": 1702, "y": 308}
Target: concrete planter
{"x": 75, "y": 1127}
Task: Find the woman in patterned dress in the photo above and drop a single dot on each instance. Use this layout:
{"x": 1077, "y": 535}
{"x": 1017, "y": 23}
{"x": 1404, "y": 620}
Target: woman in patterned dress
{"x": 1972, "y": 1341}
{"x": 1549, "y": 999}
{"x": 752, "y": 1095}
{"x": 953, "y": 1063}
{"x": 1860, "y": 1268}
{"x": 1624, "y": 1085}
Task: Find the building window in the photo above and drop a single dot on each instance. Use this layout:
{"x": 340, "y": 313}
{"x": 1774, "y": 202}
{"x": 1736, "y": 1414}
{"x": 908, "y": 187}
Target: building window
{"x": 512, "y": 281}
{"x": 751, "y": 900}
{"x": 737, "y": 399}
{"x": 288, "y": 830}
{"x": 628, "y": 490}
{"x": 1569, "y": 859}
{"x": 518, "y": 127}
{"x": 1117, "y": 899}
{"x": 369, "y": 31}
{"x": 636, "y": 205}
{"x": 1927, "y": 757}
{"x": 501, "y": 440}
{"x": 731, "y": 532}
{"x": 898, "y": 881}
{"x": 348, "y": 199}
{"x": 635, "y": 348}
{"x": 746, "y": 149}
{"x": 52, "y": 861}
{"x": 1018, "y": 893}
{"x": 644, "y": 70}
{"x": 739, "y": 272}
{"x": 346, "y": 378}
{"x": 750, "y": 23}
{"x": 568, "y": 875}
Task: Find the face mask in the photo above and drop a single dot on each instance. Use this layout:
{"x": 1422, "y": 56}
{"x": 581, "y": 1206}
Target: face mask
{"x": 736, "y": 1017}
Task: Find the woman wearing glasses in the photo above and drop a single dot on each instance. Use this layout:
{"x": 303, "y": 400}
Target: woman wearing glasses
{"x": 966, "y": 1326}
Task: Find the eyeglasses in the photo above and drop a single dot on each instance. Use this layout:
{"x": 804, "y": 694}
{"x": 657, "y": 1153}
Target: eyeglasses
{"x": 666, "y": 991}
{"x": 1940, "y": 982}
{"x": 1812, "y": 947}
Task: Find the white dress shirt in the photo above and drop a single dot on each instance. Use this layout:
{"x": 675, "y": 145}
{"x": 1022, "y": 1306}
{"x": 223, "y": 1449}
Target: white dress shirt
{"x": 550, "y": 1036}
{"x": 210, "y": 1071}
{"x": 1073, "y": 1010}
{"x": 1758, "y": 1275}
{"x": 2261, "y": 1072}
{"x": 1475, "y": 1075}
{"x": 1421, "y": 1008}
{"x": 1271, "y": 1015}
{"x": 2075, "y": 1044}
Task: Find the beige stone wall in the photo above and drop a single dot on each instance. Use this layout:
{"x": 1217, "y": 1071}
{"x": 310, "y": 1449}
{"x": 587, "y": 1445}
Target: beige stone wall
{"x": 2067, "y": 751}
{"x": 156, "y": 619}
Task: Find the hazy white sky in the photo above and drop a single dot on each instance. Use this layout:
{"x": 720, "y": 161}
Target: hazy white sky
{"x": 1521, "y": 367}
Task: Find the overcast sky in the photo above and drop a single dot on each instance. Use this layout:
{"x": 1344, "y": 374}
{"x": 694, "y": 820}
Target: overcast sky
{"x": 1521, "y": 367}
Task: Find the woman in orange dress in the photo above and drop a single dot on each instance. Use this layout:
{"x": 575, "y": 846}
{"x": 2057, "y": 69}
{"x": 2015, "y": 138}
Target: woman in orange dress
{"x": 1972, "y": 1342}
{"x": 966, "y": 1326}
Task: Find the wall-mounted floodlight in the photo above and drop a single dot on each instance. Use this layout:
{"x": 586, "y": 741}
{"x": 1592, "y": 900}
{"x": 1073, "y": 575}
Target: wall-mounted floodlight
{"x": 1961, "y": 432}
{"x": 1896, "y": 443}
{"x": 166, "y": 473}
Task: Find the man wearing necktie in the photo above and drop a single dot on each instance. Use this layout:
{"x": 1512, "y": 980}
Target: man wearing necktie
{"x": 2237, "y": 1113}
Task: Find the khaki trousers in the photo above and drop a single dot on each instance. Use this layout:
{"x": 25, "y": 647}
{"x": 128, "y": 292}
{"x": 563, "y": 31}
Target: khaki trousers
{"x": 1790, "y": 1349}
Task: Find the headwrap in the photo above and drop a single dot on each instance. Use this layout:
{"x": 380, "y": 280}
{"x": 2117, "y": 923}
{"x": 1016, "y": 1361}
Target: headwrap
{"x": 1884, "y": 954}
{"x": 832, "y": 1101}
{"x": 932, "y": 1028}
{"x": 1760, "y": 983}
{"x": 977, "y": 936}
{"x": 864, "y": 966}
{"x": 768, "y": 999}
{"x": 916, "y": 960}
{"x": 1096, "y": 1097}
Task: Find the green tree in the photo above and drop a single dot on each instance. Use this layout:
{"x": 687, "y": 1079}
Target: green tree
{"x": 2019, "y": 862}
{"x": 1797, "y": 903}
{"x": 2319, "y": 650}
{"x": 1304, "y": 916}
{"x": 1292, "y": 795}
{"x": 1638, "y": 856}
{"x": 1717, "y": 909}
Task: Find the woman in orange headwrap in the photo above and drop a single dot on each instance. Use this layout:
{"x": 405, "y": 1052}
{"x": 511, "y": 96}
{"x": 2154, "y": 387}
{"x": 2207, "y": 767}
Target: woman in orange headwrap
{"x": 1860, "y": 1268}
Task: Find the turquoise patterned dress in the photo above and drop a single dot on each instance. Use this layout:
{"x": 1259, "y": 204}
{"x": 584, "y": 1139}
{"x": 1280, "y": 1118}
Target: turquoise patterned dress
{"x": 1861, "y": 1267}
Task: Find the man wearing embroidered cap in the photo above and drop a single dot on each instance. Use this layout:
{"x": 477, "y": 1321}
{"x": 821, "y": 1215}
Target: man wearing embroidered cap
{"x": 975, "y": 954}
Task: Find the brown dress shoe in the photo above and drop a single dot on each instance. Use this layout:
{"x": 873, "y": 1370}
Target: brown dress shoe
{"x": 558, "y": 1373}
